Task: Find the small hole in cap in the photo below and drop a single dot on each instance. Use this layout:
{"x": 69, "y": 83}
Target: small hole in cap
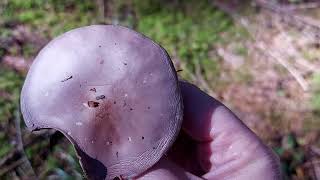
{"x": 117, "y": 178}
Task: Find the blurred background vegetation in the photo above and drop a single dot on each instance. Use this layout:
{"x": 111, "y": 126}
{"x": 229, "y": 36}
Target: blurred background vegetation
{"x": 260, "y": 58}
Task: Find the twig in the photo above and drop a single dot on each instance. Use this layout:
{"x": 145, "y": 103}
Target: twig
{"x": 296, "y": 74}
{"x": 12, "y": 166}
{"x": 187, "y": 71}
{"x": 195, "y": 79}
{"x": 291, "y": 18}
{"x": 18, "y": 130}
{"x": 307, "y": 65}
{"x": 315, "y": 150}
{"x": 313, "y": 165}
{"x": 299, "y": 59}
{"x": 101, "y": 8}
{"x": 15, "y": 154}
{"x": 316, "y": 169}
{"x": 226, "y": 9}
{"x": 19, "y": 147}
{"x": 310, "y": 5}
{"x": 201, "y": 79}
{"x": 8, "y": 157}
{"x": 42, "y": 135}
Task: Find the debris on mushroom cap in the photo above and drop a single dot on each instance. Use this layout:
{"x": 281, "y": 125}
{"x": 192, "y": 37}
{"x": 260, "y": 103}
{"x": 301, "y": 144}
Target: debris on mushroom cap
{"x": 100, "y": 97}
{"x": 104, "y": 109}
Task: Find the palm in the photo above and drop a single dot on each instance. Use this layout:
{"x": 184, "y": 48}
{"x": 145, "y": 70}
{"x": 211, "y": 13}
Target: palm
{"x": 214, "y": 144}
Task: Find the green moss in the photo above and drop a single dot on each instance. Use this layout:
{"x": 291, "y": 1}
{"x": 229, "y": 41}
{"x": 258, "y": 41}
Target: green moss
{"x": 240, "y": 50}
{"x": 5, "y": 149}
{"x": 29, "y": 16}
{"x": 5, "y": 32}
{"x": 71, "y": 151}
{"x": 28, "y": 50}
{"x": 5, "y": 146}
{"x": 51, "y": 16}
{"x": 211, "y": 69}
{"x": 10, "y": 84}
{"x": 187, "y": 30}
{"x": 62, "y": 162}
{"x": 52, "y": 163}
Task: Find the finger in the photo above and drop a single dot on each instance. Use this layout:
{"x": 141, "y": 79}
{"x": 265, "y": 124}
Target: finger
{"x": 165, "y": 169}
{"x": 198, "y": 109}
{"x": 183, "y": 153}
{"x": 226, "y": 147}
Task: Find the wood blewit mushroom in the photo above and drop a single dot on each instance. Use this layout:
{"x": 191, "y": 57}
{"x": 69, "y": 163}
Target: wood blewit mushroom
{"x": 112, "y": 92}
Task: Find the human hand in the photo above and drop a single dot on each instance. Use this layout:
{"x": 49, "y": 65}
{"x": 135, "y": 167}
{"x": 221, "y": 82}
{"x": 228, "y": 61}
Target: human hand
{"x": 214, "y": 144}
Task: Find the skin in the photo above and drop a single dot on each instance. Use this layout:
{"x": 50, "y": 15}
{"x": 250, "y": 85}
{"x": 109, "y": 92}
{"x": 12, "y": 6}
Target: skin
{"x": 214, "y": 144}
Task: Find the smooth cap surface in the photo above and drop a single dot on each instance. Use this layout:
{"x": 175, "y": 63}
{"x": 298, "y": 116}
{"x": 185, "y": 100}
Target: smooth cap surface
{"x": 113, "y": 92}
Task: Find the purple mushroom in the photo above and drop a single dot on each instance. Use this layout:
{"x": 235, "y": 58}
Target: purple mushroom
{"x": 112, "y": 92}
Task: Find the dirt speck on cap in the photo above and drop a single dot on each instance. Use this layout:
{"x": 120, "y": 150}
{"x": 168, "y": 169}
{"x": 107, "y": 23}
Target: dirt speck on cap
{"x": 93, "y": 104}
{"x": 100, "y": 97}
{"x": 66, "y": 79}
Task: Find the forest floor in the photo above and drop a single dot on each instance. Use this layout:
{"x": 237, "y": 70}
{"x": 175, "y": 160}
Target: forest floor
{"x": 262, "y": 62}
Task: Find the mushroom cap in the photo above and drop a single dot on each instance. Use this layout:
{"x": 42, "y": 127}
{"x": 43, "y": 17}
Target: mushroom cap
{"x": 112, "y": 92}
